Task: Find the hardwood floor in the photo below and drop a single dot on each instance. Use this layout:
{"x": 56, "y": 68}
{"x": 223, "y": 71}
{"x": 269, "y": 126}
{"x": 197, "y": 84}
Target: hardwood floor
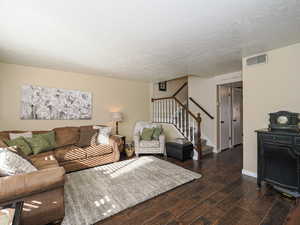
{"x": 222, "y": 196}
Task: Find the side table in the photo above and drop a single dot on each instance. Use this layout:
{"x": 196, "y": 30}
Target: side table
{"x": 11, "y": 213}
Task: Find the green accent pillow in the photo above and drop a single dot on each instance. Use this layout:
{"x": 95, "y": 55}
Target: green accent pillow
{"x": 147, "y": 134}
{"x": 157, "y": 132}
{"x": 38, "y": 144}
{"x": 50, "y": 137}
{"x": 21, "y": 144}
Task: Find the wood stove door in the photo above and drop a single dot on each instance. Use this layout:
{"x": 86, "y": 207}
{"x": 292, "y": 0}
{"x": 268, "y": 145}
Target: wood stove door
{"x": 280, "y": 165}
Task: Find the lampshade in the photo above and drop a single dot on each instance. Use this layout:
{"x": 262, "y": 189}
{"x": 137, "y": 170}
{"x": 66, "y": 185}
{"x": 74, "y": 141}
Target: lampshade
{"x": 116, "y": 116}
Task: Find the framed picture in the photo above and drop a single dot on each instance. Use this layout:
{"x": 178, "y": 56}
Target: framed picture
{"x": 43, "y": 103}
{"x": 162, "y": 86}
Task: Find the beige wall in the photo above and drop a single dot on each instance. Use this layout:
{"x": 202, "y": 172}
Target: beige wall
{"x": 204, "y": 91}
{"x": 268, "y": 88}
{"x": 130, "y": 97}
{"x": 172, "y": 87}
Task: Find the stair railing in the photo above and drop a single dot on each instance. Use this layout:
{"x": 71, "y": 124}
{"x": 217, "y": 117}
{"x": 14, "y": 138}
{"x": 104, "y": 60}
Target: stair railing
{"x": 171, "y": 110}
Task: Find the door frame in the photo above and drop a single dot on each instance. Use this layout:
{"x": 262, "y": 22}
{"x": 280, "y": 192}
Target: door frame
{"x": 231, "y": 84}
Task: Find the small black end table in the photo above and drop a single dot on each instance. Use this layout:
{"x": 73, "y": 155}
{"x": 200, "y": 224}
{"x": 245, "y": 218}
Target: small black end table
{"x": 179, "y": 151}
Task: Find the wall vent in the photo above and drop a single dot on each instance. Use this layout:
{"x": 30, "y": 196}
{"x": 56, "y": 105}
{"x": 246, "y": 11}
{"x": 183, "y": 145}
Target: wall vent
{"x": 257, "y": 60}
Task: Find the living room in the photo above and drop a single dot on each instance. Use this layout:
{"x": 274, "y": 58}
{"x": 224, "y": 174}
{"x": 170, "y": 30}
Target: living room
{"x": 110, "y": 112}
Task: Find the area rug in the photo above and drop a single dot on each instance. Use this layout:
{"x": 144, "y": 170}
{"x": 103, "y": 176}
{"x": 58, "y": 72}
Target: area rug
{"x": 94, "y": 194}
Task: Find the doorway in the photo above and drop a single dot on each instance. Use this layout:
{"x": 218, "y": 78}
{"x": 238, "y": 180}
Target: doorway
{"x": 230, "y": 115}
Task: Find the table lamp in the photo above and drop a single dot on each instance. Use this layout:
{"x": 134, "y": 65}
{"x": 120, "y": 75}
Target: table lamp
{"x": 117, "y": 117}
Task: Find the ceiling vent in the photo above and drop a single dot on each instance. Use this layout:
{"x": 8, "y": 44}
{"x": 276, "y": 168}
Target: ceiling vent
{"x": 257, "y": 60}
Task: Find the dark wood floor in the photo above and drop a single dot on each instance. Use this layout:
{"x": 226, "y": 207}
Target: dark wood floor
{"x": 221, "y": 196}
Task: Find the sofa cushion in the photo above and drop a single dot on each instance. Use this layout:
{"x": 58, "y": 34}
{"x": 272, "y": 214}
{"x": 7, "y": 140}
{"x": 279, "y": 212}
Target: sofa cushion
{"x": 21, "y": 144}
{"x": 2, "y": 144}
{"x": 42, "y": 156}
{"x": 16, "y": 135}
{"x": 103, "y": 134}
{"x": 66, "y": 136}
{"x": 157, "y": 132}
{"x": 11, "y": 163}
{"x": 149, "y": 144}
{"x": 4, "y": 135}
{"x": 45, "y": 162}
{"x": 86, "y": 135}
{"x": 38, "y": 144}
{"x": 68, "y": 153}
{"x": 49, "y": 136}
{"x": 98, "y": 150}
{"x": 147, "y": 134}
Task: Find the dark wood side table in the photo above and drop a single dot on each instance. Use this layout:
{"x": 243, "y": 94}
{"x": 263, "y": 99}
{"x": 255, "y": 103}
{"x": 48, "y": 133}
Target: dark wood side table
{"x": 18, "y": 207}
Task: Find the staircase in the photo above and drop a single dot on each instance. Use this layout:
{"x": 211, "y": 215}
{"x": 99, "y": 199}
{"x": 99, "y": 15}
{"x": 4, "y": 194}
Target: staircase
{"x": 170, "y": 110}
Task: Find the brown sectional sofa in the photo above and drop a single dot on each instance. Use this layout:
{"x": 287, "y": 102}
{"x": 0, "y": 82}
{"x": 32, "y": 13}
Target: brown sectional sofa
{"x": 43, "y": 191}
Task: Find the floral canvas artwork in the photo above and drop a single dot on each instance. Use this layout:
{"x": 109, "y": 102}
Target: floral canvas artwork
{"x": 42, "y": 103}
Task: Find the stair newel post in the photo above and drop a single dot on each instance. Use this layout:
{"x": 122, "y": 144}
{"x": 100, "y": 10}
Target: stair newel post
{"x": 199, "y": 147}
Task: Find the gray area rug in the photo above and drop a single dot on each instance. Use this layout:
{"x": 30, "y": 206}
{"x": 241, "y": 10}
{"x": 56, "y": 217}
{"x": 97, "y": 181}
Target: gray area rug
{"x": 94, "y": 194}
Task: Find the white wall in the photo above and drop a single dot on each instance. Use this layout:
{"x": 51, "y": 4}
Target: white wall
{"x": 268, "y": 88}
{"x": 204, "y": 91}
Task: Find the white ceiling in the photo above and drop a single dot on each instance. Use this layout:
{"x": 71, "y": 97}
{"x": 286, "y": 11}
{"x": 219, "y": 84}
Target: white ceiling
{"x": 144, "y": 39}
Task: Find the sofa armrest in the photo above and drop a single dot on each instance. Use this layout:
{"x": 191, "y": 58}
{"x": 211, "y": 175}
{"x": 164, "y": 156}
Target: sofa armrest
{"x": 27, "y": 184}
{"x": 115, "y": 142}
{"x": 162, "y": 143}
{"x": 162, "y": 139}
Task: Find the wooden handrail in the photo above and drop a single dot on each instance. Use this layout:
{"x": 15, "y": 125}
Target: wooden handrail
{"x": 183, "y": 106}
{"x": 157, "y": 99}
{"x": 179, "y": 90}
{"x": 199, "y": 106}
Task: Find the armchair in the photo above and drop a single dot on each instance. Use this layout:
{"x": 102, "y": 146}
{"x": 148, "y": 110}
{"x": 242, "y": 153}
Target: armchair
{"x": 148, "y": 147}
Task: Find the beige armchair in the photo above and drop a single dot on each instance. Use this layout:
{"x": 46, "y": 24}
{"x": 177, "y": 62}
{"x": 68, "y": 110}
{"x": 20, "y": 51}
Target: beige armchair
{"x": 148, "y": 147}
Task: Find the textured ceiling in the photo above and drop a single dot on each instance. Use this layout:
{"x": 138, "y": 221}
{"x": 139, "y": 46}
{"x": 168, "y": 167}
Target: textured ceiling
{"x": 144, "y": 39}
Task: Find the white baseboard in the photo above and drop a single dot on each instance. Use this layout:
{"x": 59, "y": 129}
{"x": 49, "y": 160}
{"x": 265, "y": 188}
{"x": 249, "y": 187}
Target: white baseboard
{"x": 249, "y": 173}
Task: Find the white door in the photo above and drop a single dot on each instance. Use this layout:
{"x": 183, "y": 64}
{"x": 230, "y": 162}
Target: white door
{"x": 225, "y": 117}
{"x": 237, "y": 124}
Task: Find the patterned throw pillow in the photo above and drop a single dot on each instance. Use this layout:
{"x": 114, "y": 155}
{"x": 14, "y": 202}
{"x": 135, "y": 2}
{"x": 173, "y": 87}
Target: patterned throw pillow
{"x": 103, "y": 134}
{"x": 12, "y": 164}
{"x": 16, "y": 135}
{"x": 38, "y": 144}
{"x": 21, "y": 144}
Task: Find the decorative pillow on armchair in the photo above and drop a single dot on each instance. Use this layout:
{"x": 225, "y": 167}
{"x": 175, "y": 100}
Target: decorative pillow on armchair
{"x": 147, "y": 134}
{"x": 12, "y": 164}
{"x": 103, "y": 134}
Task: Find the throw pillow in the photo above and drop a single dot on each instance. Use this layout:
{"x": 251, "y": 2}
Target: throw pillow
{"x": 12, "y": 164}
{"x": 86, "y": 136}
{"x": 16, "y": 135}
{"x": 21, "y": 144}
{"x": 38, "y": 144}
{"x": 157, "y": 132}
{"x": 103, "y": 134}
{"x": 147, "y": 134}
{"x": 50, "y": 137}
